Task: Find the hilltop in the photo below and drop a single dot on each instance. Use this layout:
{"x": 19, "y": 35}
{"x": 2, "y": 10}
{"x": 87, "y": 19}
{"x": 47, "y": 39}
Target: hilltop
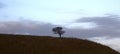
{"x": 28, "y": 44}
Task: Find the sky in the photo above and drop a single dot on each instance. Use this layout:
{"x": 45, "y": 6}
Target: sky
{"x": 96, "y": 20}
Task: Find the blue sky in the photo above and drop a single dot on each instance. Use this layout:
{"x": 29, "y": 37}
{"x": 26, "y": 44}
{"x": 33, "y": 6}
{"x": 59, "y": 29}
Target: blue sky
{"x": 97, "y": 20}
{"x": 57, "y": 11}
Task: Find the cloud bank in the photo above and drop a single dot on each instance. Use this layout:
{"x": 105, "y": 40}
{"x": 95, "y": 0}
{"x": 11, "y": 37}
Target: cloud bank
{"x": 29, "y": 27}
{"x": 105, "y": 26}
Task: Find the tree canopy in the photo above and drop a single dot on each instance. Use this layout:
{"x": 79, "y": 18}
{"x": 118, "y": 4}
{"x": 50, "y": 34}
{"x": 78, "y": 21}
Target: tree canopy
{"x": 58, "y": 30}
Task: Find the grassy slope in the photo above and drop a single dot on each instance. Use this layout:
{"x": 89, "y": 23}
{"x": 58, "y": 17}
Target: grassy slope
{"x": 23, "y": 44}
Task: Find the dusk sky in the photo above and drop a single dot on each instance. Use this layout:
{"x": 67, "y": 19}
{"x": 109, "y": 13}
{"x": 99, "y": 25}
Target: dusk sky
{"x": 97, "y": 20}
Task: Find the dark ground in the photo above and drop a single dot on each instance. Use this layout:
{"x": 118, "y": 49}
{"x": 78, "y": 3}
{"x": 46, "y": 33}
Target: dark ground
{"x": 25, "y": 44}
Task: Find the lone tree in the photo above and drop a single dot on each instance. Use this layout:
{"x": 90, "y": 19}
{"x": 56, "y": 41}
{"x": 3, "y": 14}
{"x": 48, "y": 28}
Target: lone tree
{"x": 58, "y": 30}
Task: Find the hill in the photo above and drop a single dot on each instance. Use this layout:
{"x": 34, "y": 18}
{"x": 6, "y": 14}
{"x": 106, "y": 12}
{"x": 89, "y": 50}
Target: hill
{"x": 26, "y": 44}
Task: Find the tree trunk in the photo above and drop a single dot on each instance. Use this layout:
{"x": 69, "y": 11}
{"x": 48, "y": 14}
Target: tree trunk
{"x": 59, "y": 34}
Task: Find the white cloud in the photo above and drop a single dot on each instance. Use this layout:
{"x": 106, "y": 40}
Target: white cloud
{"x": 111, "y": 42}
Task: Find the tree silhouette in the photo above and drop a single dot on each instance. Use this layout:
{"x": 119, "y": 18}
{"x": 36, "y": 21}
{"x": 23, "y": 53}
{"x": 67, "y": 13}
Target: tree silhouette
{"x": 58, "y": 30}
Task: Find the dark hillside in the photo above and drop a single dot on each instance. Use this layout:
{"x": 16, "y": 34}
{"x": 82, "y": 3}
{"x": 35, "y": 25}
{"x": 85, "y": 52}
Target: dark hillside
{"x": 25, "y": 44}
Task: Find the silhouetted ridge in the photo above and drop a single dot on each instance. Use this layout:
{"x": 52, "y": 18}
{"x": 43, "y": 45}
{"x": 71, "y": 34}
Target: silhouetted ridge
{"x": 25, "y": 44}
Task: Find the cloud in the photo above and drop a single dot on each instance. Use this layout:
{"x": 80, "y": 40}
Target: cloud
{"x": 29, "y": 27}
{"x": 2, "y": 5}
{"x": 105, "y": 21}
{"x": 108, "y": 26}
{"x": 38, "y": 28}
{"x": 112, "y": 42}
{"x": 105, "y": 26}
